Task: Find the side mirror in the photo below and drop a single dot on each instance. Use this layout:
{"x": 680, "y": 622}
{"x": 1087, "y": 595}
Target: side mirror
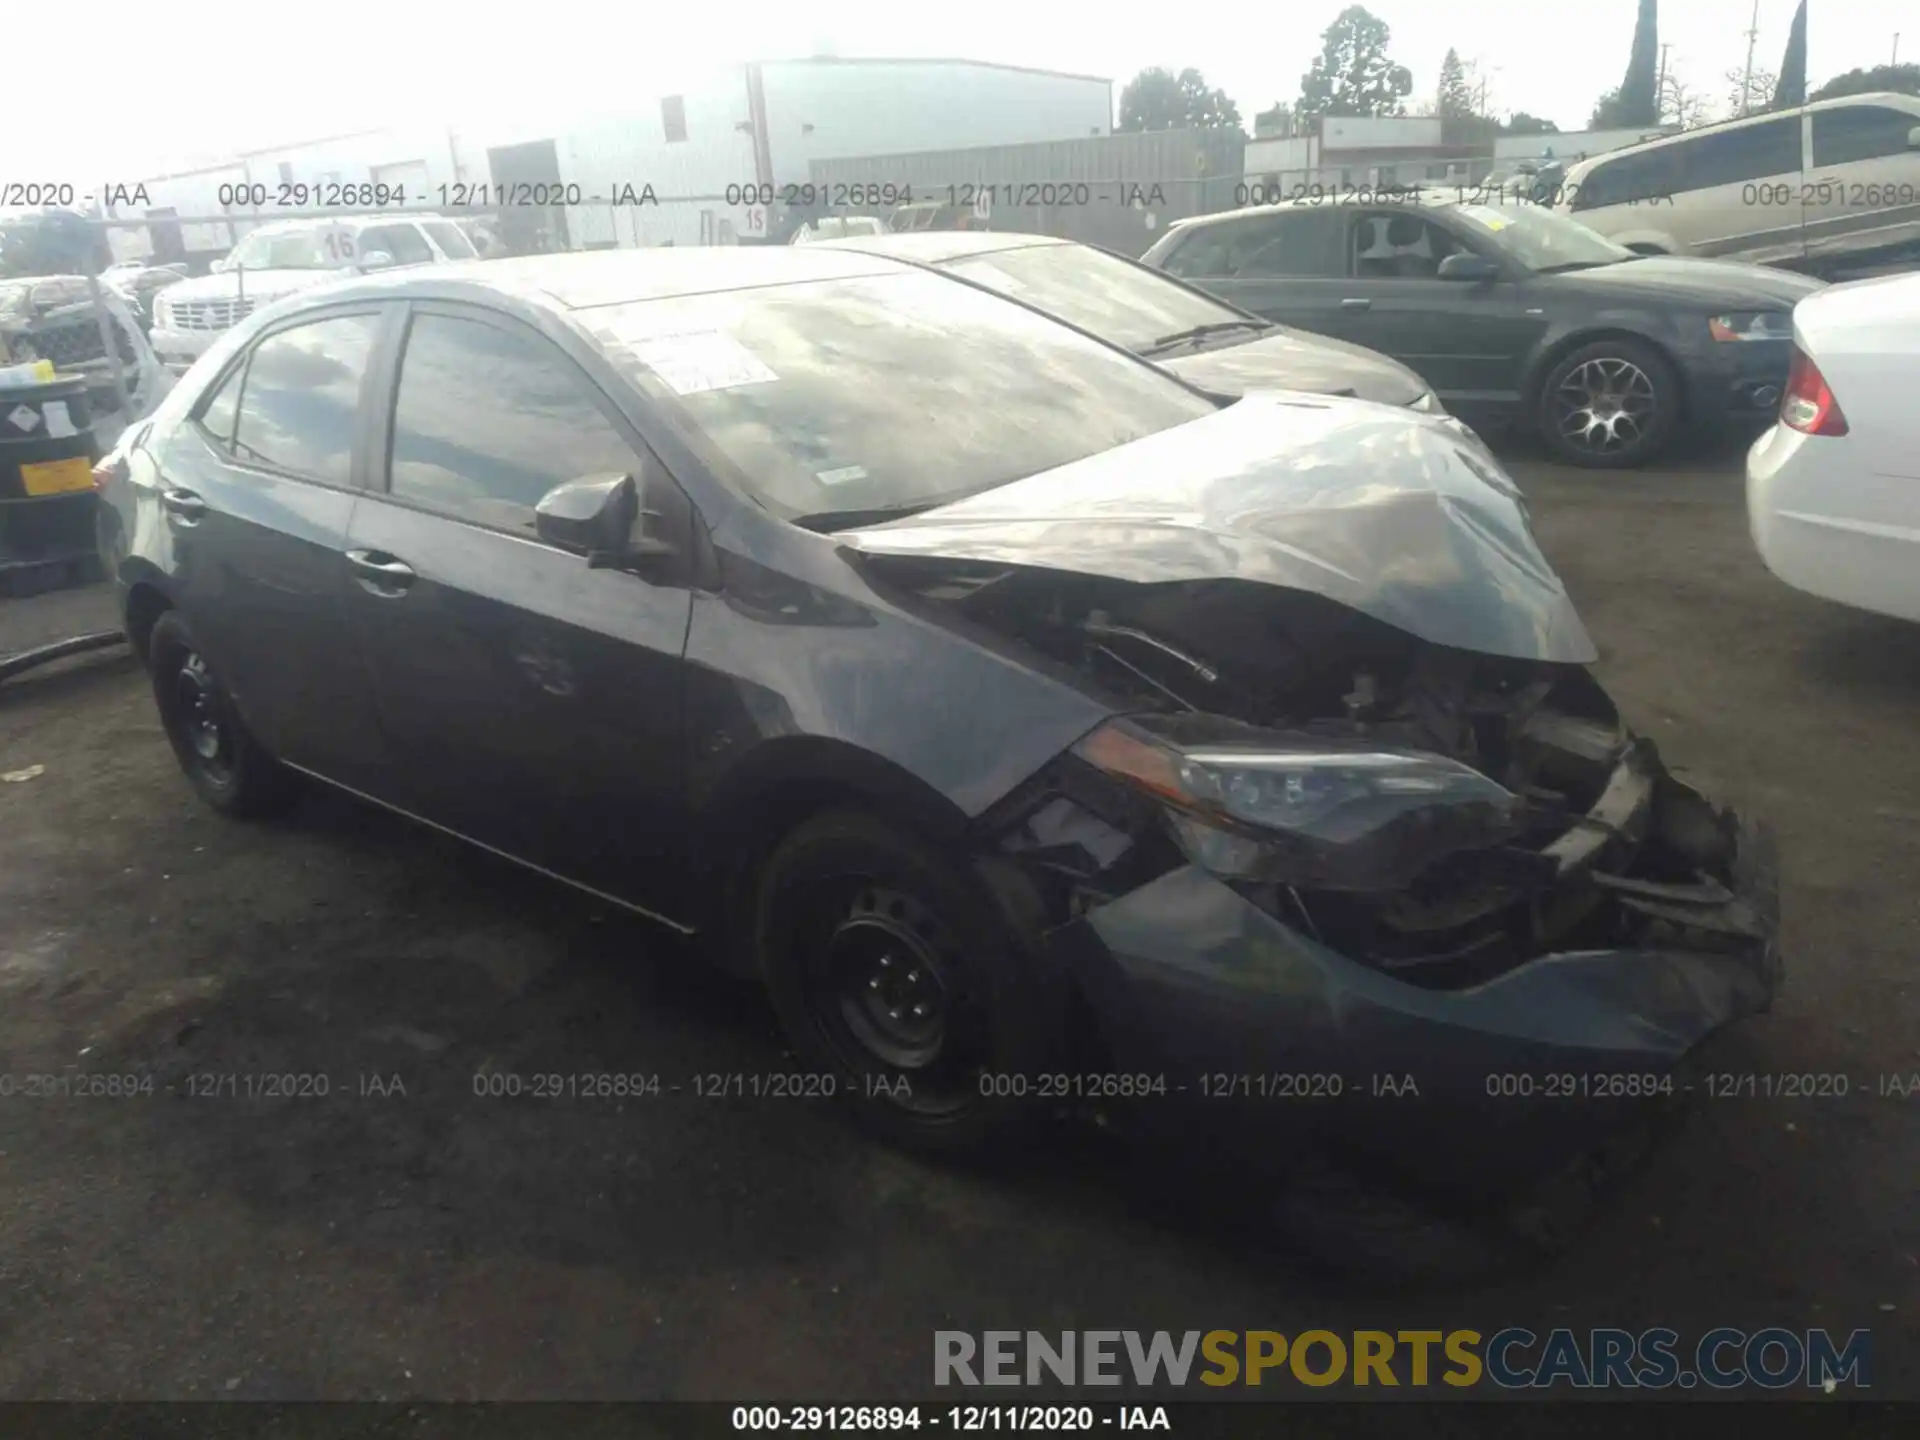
{"x": 598, "y": 517}
{"x": 1468, "y": 267}
{"x": 376, "y": 260}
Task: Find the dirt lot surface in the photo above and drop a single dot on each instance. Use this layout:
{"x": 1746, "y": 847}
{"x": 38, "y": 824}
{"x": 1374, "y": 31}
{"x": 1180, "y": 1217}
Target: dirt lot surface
{"x": 433, "y": 1243}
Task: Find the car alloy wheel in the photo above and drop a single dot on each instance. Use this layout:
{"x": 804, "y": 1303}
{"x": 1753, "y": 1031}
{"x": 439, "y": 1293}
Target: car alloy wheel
{"x": 200, "y": 713}
{"x": 1606, "y": 406}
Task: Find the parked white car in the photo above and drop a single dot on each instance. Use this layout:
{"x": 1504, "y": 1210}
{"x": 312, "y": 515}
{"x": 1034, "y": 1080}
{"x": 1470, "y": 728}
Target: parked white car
{"x": 1828, "y": 186}
{"x": 1833, "y": 489}
{"x": 838, "y": 227}
{"x": 290, "y": 255}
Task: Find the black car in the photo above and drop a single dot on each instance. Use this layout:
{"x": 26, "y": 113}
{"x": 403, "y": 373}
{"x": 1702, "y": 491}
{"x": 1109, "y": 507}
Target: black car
{"x": 1514, "y": 314}
{"x": 1039, "y": 729}
{"x": 1215, "y": 346}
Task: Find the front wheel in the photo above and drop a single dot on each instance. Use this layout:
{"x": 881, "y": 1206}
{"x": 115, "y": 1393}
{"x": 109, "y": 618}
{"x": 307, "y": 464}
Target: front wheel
{"x": 894, "y": 970}
{"x": 220, "y": 757}
{"x": 1609, "y": 405}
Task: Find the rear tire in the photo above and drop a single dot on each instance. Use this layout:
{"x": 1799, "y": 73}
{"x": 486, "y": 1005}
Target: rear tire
{"x": 895, "y": 970}
{"x": 220, "y": 757}
{"x": 1610, "y": 405}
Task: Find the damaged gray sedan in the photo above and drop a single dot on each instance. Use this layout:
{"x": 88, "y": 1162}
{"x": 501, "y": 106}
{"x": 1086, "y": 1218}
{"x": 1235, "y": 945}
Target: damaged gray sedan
{"x": 1043, "y": 732}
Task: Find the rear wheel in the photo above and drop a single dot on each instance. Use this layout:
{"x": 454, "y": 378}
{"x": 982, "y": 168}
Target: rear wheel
{"x": 897, "y": 972}
{"x": 1609, "y": 405}
{"x": 221, "y": 759}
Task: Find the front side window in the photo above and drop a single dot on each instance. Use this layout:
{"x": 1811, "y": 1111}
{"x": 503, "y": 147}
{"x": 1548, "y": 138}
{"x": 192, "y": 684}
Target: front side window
{"x": 300, "y": 408}
{"x": 1740, "y": 155}
{"x": 488, "y": 420}
{"x": 1633, "y": 179}
{"x": 1399, "y": 245}
{"x": 1862, "y": 132}
{"x": 887, "y": 392}
{"x": 1125, "y": 303}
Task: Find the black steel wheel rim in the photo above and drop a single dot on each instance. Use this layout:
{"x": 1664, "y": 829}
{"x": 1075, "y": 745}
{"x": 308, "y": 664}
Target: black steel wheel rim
{"x": 200, "y": 718}
{"x": 1605, "y": 405}
{"x": 885, "y": 982}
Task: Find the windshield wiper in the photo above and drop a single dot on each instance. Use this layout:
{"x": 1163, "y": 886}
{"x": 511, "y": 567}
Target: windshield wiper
{"x": 825, "y": 522}
{"x": 1200, "y": 332}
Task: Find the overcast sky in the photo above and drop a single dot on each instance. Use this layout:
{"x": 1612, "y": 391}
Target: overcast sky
{"x": 217, "y": 76}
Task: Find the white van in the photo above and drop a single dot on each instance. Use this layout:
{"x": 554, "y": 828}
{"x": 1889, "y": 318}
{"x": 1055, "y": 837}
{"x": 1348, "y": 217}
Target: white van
{"x": 1833, "y": 184}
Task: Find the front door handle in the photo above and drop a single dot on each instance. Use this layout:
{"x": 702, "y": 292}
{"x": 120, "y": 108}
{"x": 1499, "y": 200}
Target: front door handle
{"x": 380, "y": 572}
{"x": 183, "y": 505}
{"x": 1356, "y": 303}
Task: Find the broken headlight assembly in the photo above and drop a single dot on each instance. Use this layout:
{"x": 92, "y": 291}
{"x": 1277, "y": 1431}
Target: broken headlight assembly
{"x": 1267, "y": 807}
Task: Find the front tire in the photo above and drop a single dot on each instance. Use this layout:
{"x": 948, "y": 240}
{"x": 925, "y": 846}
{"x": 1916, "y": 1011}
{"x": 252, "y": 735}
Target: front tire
{"x": 1610, "y": 405}
{"x": 220, "y": 757}
{"x": 894, "y": 969}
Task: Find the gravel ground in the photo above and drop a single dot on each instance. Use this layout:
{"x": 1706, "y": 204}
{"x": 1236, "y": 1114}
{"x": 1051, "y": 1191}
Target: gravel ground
{"x": 402, "y": 1237}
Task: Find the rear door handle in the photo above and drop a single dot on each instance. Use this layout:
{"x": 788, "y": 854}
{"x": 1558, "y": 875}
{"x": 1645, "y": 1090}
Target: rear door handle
{"x": 380, "y": 572}
{"x": 183, "y": 504}
{"x": 1356, "y": 303}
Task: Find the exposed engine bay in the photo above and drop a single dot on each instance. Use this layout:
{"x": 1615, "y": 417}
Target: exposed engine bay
{"x": 1605, "y": 850}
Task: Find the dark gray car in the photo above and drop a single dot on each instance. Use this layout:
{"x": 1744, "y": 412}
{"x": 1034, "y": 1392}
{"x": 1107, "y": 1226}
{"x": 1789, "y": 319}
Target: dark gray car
{"x": 1042, "y": 731}
{"x": 1203, "y": 340}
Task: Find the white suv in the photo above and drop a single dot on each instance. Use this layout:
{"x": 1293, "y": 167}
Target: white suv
{"x": 290, "y": 255}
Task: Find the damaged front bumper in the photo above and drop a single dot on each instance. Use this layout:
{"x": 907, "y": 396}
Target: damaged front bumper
{"x": 1274, "y": 1037}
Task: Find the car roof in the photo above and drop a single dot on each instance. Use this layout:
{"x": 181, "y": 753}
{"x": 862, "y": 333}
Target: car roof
{"x": 1433, "y": 199}
{"x": 581, "y": 280}
{"x": 345, "y": 222}
{"x": 934, "y": 247}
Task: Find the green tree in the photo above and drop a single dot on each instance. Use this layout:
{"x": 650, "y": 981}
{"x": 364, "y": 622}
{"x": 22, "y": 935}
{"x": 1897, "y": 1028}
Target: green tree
{"x": 1521, "y": 123}
{"x": 1276, "y": 121}
{"x": 1636, "y": 100}
{"x": 1352, "y": 74}
{"x": 1158, "y": 99}
{"x": 1792, "y": 89}
{"x": 1454, "y": 99}
{"x": 1900, "y": 79}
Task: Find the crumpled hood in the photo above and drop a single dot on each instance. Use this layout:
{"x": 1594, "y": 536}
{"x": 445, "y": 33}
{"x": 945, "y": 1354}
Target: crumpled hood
{"x": 1388, "y": 512}
{"x": 1289, "y": 360}
{"x": 1687, "y": 280}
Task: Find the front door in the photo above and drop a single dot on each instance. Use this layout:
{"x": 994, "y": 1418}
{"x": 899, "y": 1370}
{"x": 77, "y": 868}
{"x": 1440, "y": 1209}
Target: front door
{"x": 529, "y": 703}
{"x": 1464, "y": 338}
{"x": 256, "y": 492}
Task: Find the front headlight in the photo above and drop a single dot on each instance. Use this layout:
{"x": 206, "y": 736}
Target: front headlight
{"x": 1298, "y": 810}
{"x": 1752, "y": 325}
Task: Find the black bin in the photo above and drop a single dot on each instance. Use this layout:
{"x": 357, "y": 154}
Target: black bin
{"x": 47, "y": 502}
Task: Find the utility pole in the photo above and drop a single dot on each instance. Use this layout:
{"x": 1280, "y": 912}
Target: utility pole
{"x": 1896, "y": 48}
{"x": 1746, "y": 80}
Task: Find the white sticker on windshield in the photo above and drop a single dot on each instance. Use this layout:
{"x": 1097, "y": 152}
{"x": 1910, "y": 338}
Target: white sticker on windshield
{"x": 844, "y": 475}
{"x": 695, "y": 364}
{"x": 991, "y": 276}
{"x": 1492, "y": 219}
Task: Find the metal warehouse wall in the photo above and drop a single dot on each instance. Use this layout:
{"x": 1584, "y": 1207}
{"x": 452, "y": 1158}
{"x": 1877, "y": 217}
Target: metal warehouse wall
{"x": 1196, "y": 172}
{"x": 830, "y": 109}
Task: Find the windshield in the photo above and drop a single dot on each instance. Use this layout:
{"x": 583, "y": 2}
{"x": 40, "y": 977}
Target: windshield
{"x": 450, "y": 238}
{"x": 1121, "y": 303}
{"x": 891, "y": 391}
{"x": 316, "y": 249}
{"x": 1541, "y": 239}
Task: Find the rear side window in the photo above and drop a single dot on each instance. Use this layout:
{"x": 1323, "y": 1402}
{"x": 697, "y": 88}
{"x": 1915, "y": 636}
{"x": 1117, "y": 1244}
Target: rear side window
{"x": 1734, "y": 157}
{"x": 1861, "y": 132}
{"x": 449, "y": 237}
{"x": 301, "y": 405}
{"x": 1296, "y": 243}
{"x": 406, "y": 244}
{"x": 488, "y": 420}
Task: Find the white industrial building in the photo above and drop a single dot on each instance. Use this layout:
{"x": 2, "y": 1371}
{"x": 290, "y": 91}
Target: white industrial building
{"x": 682, "y": 169}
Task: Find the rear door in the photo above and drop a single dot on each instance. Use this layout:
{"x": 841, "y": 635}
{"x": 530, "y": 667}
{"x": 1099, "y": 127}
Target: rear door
{"x": 529, "y": 703}
{"x": 1285, "y": 266}
{"x": 256, "y": 490}
{"x": 1736, "y": 192}
{"x": 1465, "y": 339}
{"x": 1863, "y": 185}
